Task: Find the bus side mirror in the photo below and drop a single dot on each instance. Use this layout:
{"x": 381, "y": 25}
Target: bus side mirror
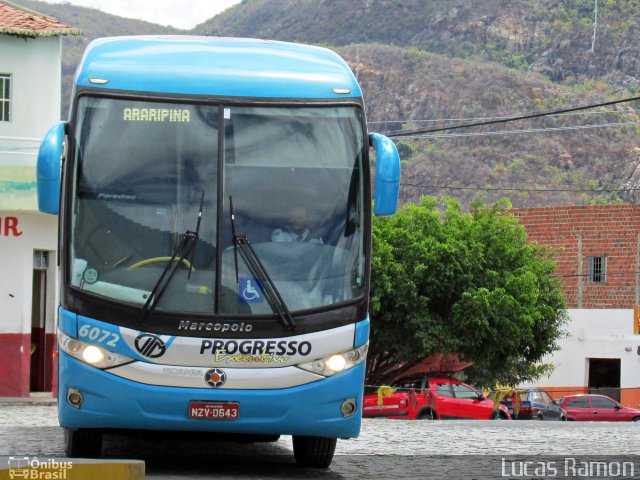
{"x": 48, "y": 169}
{"x": 387, "y": 187}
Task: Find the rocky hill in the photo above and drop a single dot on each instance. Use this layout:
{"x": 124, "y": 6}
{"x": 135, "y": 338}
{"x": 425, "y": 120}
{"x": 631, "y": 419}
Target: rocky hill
{"x": 556, "y": 55}
{"x": 423, "y": 62}
{"x": 553, "y": 161}
{"x": 553, "y": 37}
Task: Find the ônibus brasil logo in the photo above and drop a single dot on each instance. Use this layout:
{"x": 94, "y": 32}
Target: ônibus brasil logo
{"x": 150, "y": 346}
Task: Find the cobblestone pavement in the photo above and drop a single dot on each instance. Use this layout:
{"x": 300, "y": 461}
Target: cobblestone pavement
{"x": 384, "y": 446}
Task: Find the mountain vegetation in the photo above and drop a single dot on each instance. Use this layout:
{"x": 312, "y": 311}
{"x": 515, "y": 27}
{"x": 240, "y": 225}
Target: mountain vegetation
{"x": 430, "y": 64}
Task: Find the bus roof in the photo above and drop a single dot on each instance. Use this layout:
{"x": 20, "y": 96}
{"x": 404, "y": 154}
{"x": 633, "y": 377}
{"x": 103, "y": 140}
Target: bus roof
{"x": 215, "y": 66}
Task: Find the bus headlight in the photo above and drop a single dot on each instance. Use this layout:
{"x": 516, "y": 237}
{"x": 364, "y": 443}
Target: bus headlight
{"x": 91, "y": 354}
{"x": 338, "y": 362}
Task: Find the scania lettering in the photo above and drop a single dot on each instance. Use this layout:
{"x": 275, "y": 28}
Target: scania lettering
{"x": 183, "y": 168}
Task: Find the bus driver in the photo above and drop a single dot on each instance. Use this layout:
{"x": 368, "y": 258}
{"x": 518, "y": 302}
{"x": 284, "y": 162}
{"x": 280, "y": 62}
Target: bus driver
{"x": 297, "y": 229}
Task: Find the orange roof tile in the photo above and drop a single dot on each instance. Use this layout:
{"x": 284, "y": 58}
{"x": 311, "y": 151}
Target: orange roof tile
{"x": 22, "y": 22}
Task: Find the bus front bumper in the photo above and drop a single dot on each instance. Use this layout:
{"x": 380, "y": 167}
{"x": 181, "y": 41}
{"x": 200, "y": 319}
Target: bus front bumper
{"x": 112, "y": 402}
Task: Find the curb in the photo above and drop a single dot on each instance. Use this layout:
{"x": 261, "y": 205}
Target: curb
{"x": 28, "y": 401}
{"x": 20, "y": 467}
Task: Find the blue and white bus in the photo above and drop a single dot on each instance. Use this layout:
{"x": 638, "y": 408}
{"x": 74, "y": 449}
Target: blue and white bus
{"x": 187, "y": 302}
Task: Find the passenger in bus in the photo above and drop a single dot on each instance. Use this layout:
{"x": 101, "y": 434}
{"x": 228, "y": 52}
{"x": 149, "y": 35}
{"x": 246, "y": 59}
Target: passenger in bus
{"x": 297, "y": 228}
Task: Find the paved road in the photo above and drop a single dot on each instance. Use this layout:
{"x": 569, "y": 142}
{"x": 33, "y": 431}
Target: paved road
{"x": 385, "y": 449}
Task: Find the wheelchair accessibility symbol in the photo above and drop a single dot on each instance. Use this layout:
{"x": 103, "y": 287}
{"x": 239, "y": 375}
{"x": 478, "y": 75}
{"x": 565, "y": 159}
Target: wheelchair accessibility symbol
{"x": 250, "y": 290}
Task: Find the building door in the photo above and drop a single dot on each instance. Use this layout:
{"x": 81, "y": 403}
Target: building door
{"x": 40, "y": 377}
{"x": 604, "y": 377}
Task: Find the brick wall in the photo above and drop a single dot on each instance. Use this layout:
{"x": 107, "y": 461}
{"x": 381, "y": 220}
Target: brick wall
{"x": 576, "y": 233}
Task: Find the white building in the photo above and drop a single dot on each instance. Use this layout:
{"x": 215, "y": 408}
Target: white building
{"x": 30, "y": 79}
{"x": 602, "y": 340}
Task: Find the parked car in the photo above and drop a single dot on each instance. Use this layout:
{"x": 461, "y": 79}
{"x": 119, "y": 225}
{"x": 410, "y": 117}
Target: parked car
{"x": 433, "y": 399}
{"x": 593, "y": 408}
{"x": 535, "y": 404}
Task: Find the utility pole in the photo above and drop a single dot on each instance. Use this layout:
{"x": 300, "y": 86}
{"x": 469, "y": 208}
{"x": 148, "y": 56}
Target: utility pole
{"x": 595, "y": 26}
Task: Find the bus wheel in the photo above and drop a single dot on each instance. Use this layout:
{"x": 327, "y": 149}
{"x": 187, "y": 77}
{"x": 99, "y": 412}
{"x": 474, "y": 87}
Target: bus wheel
{"x": 314, "y": 451}
{"x": 82, "y": 443}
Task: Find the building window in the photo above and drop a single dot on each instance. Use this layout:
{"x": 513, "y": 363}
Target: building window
{"x": 40, "y": 259}
{"x": 5, "y": 97}
{"x": 598, "y": 269}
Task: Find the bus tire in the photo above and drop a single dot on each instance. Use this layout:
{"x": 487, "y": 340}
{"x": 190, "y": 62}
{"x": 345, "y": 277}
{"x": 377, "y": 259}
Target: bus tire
{"x": 82, "y": 443}
{"x": 314, "y": 451}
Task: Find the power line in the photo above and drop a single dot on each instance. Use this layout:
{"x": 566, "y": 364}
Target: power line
{"x": 520, "y": 189}
{"x": 15, "y": 149}
{"x": 398, "y": 133}
{"x": 438, "y": 120}
{"x": 520, "y": 131}
{"x": 608, "y": 274}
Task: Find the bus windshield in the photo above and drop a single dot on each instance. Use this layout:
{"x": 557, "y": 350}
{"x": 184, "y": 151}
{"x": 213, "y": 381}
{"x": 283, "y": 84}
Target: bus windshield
{"x": 148, "y": 173}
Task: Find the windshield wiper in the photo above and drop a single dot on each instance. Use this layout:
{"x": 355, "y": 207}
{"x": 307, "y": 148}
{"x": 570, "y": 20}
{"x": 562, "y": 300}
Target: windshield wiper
{"x": 183, "y": 251}
{"x": 276, "y": 302}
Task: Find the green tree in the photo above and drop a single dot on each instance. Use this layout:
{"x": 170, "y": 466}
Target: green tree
{"x": 468, "y": 283}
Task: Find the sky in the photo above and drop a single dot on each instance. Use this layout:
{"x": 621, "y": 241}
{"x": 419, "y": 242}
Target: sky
{"x": 184, "y": 14}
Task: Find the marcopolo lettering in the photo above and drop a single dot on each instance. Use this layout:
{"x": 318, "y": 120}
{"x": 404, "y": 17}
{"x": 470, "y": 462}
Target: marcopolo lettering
{"x": 214, "y": 327}
{"x": 256, "y": 347}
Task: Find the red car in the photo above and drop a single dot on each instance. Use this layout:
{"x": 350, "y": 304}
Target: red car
{"x": 431, "y": 399}
{"x": 589, "y": 407}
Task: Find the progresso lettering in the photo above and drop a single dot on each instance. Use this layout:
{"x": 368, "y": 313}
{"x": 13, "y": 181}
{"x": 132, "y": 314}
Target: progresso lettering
{"x": 256, "y": 347}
